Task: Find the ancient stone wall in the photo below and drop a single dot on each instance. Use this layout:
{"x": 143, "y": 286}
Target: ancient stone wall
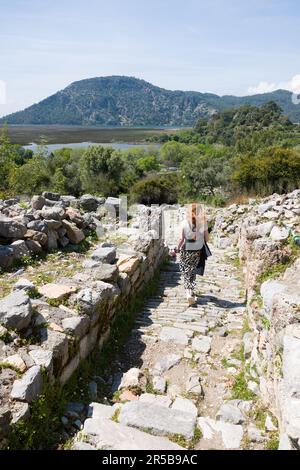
{"x": 271, "y": 262}
{"x": 46, "y": 336}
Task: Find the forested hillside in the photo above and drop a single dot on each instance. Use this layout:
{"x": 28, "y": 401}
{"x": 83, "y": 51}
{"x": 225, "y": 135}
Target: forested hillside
{"x": 128, "y": 101}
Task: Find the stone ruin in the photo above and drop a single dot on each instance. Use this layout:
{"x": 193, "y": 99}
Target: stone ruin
{"x": 264, "y": 232}
{"x": 46, "y": 338}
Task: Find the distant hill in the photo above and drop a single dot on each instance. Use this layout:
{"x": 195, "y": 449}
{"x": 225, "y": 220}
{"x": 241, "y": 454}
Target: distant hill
{"x": 248, "y": 124}
{"x": 128, "y": 101}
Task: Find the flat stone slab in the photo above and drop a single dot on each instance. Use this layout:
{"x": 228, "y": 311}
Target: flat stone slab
{"x": 56, "y": 291}
{"x": 185, "y": 405}
{"x": 104, "y": 254}
{"x": 159, "y": 384}
{"x": 98, "y": 410}
{"x": 175, "y": 335}
{"x": 166, "y": 363}
{"x": 158, "y": 419}
{"x": 107, "y": 434}
{"x": 77, "y": 325}
{"x": 232, "y": 434}
{"x": 130, "y": 378}
{"x": 42, "y": 357}
{"x": 193, "y": 384}
{"x": 230, "y": 413}
{"x": 16, "y": 362}
{"x": 202, "y": 344}
{"x": 29, "y": 387}
{"x": 160, "y": 400}
{"x": 127, "y": 264}
{"x": 16, "y": 310}
{"x": 23, "y": 284}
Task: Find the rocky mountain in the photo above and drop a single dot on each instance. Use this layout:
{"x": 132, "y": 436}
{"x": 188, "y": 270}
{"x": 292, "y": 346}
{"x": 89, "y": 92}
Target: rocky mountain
{"x": 128, "y": 101}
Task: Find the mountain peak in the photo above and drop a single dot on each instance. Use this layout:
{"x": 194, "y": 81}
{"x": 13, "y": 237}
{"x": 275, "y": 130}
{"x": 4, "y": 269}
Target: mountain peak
{"x": 119, "y": 100}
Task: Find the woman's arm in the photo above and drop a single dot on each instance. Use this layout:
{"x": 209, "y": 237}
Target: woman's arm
{"x": 206, "y": 234}
{"x": 181, "y": 241}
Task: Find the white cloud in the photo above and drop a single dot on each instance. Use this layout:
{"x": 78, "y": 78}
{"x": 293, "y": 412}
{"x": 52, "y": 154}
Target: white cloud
{"x": 262, "y": 87}
{"x": 295, "y": 84}
{"x": 292, "y": 85}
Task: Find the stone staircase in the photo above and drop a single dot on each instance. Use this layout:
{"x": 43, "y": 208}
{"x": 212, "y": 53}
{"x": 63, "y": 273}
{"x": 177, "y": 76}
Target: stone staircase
{"x": 178, "y": 369}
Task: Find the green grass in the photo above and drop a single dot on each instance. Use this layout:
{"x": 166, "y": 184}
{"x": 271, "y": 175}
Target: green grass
{"x": 24, "y": 205}
{"x": 57, "y": 302}
{"x": 259, "y": 415}
{"x": 116, "y": 415}
{"x": 272, "y": 272}
{"x": 240, "y": 389}
{"x": 246, "y": 327}
{"x": 33, "y": 293}
{"x": 266, "y": 322}
{"x": 226, "y": 363}
{"x": 273, "y": 442}
{"x": 235, "y": 262}
{"x": 239, "y": 354}
{"x": 43, "y": 429}
{"x": 183, "y": 442}
{"x": 257, "y": 298}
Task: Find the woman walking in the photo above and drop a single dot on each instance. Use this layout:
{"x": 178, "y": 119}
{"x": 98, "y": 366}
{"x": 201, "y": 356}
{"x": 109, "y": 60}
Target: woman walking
{"x": 192, "y": 249}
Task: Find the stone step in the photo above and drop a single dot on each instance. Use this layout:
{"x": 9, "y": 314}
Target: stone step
{"x": 106, "y": 434}
{"x": 158, "y": 419}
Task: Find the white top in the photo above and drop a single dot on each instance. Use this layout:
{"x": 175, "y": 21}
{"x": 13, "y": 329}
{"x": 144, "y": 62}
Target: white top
{"x": 189, "y": 234}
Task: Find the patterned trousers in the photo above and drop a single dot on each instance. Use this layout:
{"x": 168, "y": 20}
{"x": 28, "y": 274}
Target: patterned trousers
{"x": 188, "y": 262}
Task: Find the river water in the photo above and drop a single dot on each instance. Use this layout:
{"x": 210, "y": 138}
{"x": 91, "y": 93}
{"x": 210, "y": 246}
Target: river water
{"x": 120, "y": 146}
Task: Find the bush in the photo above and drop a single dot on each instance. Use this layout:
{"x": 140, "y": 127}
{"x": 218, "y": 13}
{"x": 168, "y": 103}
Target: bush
{"x": 273, "y": 169}
{"x": 156, "y": 190}
{"x": 205, "y": 172}
{"x": 100, "y": 170}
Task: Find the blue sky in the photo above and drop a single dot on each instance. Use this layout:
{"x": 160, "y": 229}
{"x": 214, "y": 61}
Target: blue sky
{"x": 226, "y": 47}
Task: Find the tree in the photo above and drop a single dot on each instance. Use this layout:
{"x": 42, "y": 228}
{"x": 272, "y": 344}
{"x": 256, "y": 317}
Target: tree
{"x": 32, "y": 177}
{"x": 147, "y": 163}
{"x": 272, "y": 169}
{"x": 100, "y": 170}
{"x": 156, "y": 190}
{"x": 172, "y": 153}
{"x": 8, "y": 155}
{"x": 204, "y": 172}
{"x": 59, "y": 181}
{"x": 64, "y": 166}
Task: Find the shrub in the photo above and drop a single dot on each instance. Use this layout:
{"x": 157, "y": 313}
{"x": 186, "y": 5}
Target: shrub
{"x": 273, "y": 169}
{"x": 156, "y": 190}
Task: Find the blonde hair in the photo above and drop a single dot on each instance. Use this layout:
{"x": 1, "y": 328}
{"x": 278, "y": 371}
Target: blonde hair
{"x": 195, "y": 214}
